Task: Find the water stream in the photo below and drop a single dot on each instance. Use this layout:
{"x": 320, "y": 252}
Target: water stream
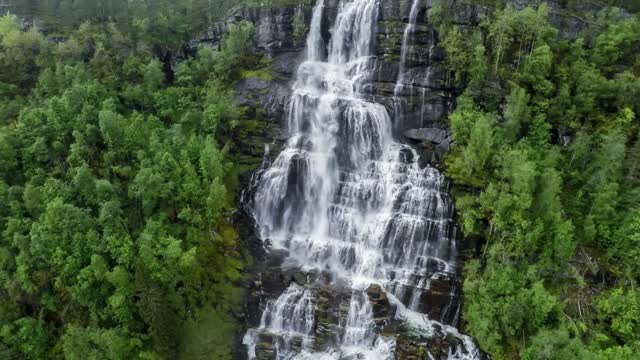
{"x": 405, "y": 82}
{"x": 347, "y": 199}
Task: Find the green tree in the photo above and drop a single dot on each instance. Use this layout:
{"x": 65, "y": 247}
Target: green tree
{"x": 458, "y": 57}
{"x": 516, "y": 113}
{"x": 621, "y": 308}
{"x": 113, "y": 190}
{"x": 556, "y": 344}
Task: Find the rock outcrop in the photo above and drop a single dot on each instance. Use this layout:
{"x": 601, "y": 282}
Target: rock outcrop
{"x": 426, "y": 99}
{"x": 435, "y": 347}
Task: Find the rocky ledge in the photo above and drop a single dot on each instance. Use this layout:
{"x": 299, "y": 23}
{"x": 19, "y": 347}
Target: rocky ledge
{"x": 332, "y": 304}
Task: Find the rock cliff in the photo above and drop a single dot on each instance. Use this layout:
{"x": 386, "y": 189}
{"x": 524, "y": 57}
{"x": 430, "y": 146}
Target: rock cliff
{"x": 426, "y": 99}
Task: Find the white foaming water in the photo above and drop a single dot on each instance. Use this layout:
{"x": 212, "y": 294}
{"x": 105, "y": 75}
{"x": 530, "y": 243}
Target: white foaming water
{"x": 407, "y": 36}
{"x": 418, "y": 322}
{"x": 347, "y": 199}
{"x": 402, "y": 83}
{"x": 315, "y": 43}
{"x": 359, "y": 329}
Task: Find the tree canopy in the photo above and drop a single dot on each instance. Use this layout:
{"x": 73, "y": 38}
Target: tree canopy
{"x": 546, "y": 174}
{"x": 116, "y": 186}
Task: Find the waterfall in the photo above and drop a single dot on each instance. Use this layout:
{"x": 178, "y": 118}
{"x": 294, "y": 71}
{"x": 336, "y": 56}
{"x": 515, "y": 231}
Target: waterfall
{"x": 407, "y": 36}
{"x": 346, "y": 199}
{"x": 406, "y": 79}
{"x": 315, "y": 43}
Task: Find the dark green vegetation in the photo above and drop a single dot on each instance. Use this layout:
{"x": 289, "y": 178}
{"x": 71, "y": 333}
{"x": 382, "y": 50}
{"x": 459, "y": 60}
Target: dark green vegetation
{"x": 157, "y": 22}
{"x": 116, "y": 186}
{"x": 547, "y": 167}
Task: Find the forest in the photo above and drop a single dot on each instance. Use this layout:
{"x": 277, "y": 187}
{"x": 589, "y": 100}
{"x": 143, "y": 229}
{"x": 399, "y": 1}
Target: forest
{"x": 119, "y": 177}
{"x": 547, "y": 171}
{"x": 116, "y": 187}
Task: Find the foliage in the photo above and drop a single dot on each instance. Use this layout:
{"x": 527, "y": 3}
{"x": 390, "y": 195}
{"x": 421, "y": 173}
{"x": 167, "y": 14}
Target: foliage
{"x": 267, "y": 3}
{"x": 622, "y": 310}
{"x": 556, "y": 344}
{"x": 151, "y": 22}
{"x": 457, "y": 58}
{"x": 548, "y": 160}
{"x": 525, "y": 305}
{"x": 114, "y": 196}
{"x": 299, "y": 27}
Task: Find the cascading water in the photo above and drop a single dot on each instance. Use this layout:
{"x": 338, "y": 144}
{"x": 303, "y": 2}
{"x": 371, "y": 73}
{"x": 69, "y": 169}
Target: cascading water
{"x": 346, "y": 199}
{"x": 405, "y": 81}
{"x": 409, "y": 32}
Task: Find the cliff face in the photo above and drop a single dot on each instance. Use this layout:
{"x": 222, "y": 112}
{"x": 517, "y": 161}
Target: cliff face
{"x": 423, "y": 103}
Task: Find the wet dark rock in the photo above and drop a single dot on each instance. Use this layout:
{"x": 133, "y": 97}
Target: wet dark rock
{"x": 375, "y": 292}
{"x": 398, "y": 10}
{"x": 406, "y": 156}
{"x": 211, "y": 37}
{"x": 266, "y": 346}
{"x": 296, "y": 179}
{"x": 441, "y": 150}
{"x": 419, "y": 107}
{"x": 265, "y": 349}
{"x": 441, "y": 300}
{"x": 299, "y": 278}
{"x": 386, "y": 72}
{"x": 383, "y": 312}
{"x": 353, "y": 357}
{"x": 276, "y": 257}
{"x": 274, "y": 27}
{"x": 332, "y": 305}
{"x": 433, "y": 135}
{"x": 435, "y": 348}
{"x": 276, "y": 100}
{"x": 272, "y": 283}
{"x": 434, "y": 265}
{"x": 465, "y": 13}
{"x": 433, "y": 77}
{"x": 286, "y": 63}
{"x": 431, "y": 143}
{"x": 252, "y": 84}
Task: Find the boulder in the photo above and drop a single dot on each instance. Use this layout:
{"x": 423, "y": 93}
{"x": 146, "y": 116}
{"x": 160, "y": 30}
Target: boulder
{"x": 299, "y": 278}
{"x": 375, "y": 292}
{"x": 441, "y": 299}
{"x": 332, "y": 305}
{"x": 435, "y": 348}
{"x": 433, "y": 135}
{"x": 265, "y": 349}
{"x": 383, "y": 312}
